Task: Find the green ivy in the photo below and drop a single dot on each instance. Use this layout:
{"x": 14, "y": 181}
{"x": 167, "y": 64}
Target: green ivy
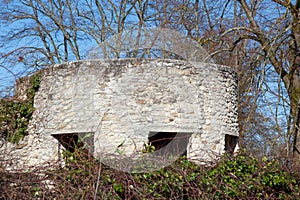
{"x": 233, "y": 177}
{"x": 244, "y": 176}
{"x": 15, "y": 114}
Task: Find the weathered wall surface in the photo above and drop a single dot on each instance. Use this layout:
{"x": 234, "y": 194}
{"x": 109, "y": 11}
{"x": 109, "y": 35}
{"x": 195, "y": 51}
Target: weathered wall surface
{"x": 121, "y": 101}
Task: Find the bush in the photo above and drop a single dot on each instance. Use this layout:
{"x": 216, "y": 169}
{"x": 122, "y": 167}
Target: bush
{"x": 245, "y": 176}
{"x": 240, "y": 177}
{"x": 15, "y": 114}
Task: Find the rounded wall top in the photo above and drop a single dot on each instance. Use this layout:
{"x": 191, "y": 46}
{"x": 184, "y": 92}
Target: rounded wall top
{"x": 134, "y": 62}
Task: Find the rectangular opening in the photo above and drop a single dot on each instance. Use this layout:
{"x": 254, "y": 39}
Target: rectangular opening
{"x": 230, "y": 143}
{"x": 172, "y": 143}
{"x": 77, "y": 141}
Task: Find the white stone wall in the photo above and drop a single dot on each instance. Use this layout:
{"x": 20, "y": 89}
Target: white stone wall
{"x": 122, "y": 100}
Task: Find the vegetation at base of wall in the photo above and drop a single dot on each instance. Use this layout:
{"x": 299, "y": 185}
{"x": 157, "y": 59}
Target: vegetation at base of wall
{"x": 15, "y": 114}
{"x": 239, "y": 177}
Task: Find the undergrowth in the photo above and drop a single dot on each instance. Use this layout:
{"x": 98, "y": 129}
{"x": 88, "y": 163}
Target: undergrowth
{"x": 239, "y": 177}
{"x": 15, "y": 114}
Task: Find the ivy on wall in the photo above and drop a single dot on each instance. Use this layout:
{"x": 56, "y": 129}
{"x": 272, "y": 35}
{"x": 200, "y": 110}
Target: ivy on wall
{"x": 15, "y": 114}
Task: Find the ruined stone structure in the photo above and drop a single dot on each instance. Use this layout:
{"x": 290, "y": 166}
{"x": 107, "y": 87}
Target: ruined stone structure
{"x": 123, "y": 105}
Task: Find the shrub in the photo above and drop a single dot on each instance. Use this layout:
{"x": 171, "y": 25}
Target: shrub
{"x": 240, "y": 177}
{"x": 245, "y": 176}
{"x": 15, "y": 114}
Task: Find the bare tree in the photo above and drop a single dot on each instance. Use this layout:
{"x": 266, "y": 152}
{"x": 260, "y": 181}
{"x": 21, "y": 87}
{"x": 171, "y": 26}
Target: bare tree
{"x": 278, "y": 35}
{"x": 37, "y": 33}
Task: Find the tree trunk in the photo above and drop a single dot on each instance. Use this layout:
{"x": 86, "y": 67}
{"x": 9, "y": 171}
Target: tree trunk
{"x": 295, "y": 114}
{"x": 294, "y": 86}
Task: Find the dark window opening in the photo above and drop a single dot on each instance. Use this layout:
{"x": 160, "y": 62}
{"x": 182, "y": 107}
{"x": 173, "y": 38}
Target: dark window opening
{"x": 230, "y": 143}
{"x": 169, "y": 143}
{"x": 76, "y": 142}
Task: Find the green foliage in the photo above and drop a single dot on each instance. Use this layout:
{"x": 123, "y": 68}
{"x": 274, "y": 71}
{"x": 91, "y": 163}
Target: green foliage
{"x": 148, "y": 148}
{"x": 244, "y": 176}
{"x": 15, "y": 114}
{"x": 239, "y": 177}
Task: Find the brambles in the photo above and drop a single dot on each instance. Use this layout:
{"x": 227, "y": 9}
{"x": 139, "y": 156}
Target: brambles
{"x": 240, "y": 177}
